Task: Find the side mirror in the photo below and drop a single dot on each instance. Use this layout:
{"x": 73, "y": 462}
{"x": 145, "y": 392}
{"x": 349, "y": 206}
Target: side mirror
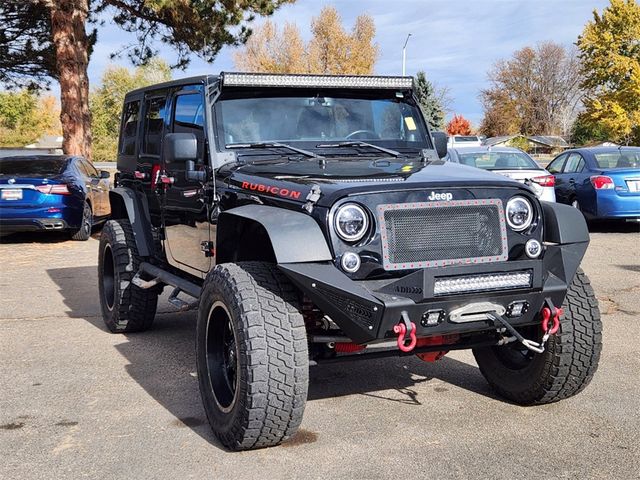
{"x": 440, "y": 142}
{"x": 180, "y": 147}
{"x": 104, "y": 174}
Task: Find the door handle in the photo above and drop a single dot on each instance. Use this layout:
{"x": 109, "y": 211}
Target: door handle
{"x": 572, "y": 181}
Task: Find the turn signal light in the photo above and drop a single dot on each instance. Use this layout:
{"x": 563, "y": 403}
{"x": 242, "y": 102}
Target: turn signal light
{"x": 545, "y": 180}
{"x": 59, "y": 189}
{"x": 602, "y": 182}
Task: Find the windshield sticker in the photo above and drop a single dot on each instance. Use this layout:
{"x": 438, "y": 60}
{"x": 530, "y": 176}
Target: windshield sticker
{"x": 411, "y": 125}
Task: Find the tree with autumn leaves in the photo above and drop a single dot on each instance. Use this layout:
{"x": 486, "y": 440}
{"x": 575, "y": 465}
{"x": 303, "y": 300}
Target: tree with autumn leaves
{"x": 459, "y": 125}
{"x": 331, "y": 50}
{"x": 610, "y": 55}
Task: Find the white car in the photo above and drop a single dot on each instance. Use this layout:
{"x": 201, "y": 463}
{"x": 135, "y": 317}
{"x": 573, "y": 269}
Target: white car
{"x": 464, "y": 141}
{"x": 510, "y": 162}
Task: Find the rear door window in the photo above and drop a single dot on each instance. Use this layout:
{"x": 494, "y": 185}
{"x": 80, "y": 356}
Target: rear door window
{"x": 129, "y": 133}
{"x": 153, "y": 125}
{"x": 575, "y": 163}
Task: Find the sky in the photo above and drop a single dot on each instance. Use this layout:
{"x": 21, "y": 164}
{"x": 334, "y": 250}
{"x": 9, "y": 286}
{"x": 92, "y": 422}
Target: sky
{"x": 455, "y": 42}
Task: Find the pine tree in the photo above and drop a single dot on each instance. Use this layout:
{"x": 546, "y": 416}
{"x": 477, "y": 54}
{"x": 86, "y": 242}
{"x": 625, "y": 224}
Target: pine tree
{"x": 429, "y": 102}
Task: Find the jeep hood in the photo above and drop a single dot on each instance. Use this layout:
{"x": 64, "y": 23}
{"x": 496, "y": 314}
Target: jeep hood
{"x": 340, "y": 177}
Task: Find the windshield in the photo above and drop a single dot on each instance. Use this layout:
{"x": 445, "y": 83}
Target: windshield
{"x": 307, "y": 121}
{"x": 619, "y": 159}
{"x": 498, "y": 160}
{"x": 38, "y": 167}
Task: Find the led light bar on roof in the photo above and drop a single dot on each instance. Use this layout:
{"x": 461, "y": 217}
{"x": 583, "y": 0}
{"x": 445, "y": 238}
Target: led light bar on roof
{"x": 325, "y": 81}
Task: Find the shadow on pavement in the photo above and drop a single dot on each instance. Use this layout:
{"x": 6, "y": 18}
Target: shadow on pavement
{"x": 612, "y": 226}
{"x": 162, "y": 361}
{"x": 45, "y": 236}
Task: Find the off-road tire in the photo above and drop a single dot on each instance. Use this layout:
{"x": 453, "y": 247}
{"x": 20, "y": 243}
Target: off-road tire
{"x": 125, "y": 307}
{"x": 272, "y": 358}
{"x": 568, "y": 363}
{"x": 84, "y": 232}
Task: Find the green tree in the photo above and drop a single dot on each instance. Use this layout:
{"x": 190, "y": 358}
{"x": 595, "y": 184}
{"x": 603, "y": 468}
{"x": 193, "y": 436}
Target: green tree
{"x": 429, "y": 101}
{"x": 610, "y": 53}
{"x": 199, "y": 27}
{"x": 27, "y": 57}
{"x": 106, "y": 102}
{"x": 25, "y": 117}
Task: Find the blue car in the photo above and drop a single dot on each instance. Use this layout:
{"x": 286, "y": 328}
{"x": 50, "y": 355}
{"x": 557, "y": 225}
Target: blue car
{"x": 52, "y": 192}
{"x": 602, "y": 182}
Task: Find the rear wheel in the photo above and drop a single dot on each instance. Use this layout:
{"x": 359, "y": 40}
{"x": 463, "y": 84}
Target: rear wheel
{"x": 252, "y": 357}
{"x": 125, "y": 307}
{"x": 565, "y": 367}
{"x": 84, "y": 232}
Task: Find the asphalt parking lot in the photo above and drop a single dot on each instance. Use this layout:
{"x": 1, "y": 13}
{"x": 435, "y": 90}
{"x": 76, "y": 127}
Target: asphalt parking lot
{"x": 76, "y": 401}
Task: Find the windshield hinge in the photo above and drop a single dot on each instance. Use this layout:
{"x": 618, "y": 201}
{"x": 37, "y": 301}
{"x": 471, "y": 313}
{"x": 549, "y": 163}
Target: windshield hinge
{"x": 312, "y": 198}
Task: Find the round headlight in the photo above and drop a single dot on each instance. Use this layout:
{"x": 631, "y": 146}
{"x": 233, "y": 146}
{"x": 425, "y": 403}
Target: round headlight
{"x": 350, "y": 262}
{"x": 351, "y": 222}
{"x": 519, "y": 213}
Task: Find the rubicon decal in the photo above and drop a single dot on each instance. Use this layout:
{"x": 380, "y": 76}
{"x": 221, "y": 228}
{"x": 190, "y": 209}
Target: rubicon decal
{"x": 273, "y": 190}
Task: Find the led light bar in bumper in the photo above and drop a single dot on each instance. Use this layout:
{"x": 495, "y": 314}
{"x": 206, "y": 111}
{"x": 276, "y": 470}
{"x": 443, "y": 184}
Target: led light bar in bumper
{"x": 482, "y": 283}
{"x": 325, "y": 81}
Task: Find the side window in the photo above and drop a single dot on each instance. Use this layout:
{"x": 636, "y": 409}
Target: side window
{"x": 90, "y": 169}
{"x": 574, "y": 163}
{"x": 129, "y": 133}
{"x": 153, "y": 125}
{"x": 556, "y": 165}
{"x": 189, "y": 112}
{"x": 188, "y": 117}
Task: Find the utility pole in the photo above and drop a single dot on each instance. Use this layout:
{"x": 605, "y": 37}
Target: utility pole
{"x": 404, "y": 55}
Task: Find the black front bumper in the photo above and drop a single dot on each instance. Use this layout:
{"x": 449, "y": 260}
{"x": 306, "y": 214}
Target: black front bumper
{"x": 367, "y": 310}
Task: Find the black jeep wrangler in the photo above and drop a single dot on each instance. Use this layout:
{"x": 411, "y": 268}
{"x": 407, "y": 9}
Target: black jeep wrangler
{"x": 314, "y": 221}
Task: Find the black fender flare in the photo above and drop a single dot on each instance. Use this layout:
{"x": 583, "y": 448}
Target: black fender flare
{"x": 126, "y": 203}
{"x": 295, "y": 237}
{"x": 563, "y": 224}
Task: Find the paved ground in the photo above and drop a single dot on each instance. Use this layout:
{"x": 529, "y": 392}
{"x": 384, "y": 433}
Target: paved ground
{"x": 76, "y": 401}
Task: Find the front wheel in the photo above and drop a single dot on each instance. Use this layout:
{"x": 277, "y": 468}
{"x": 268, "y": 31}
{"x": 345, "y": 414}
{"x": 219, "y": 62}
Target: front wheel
{"x": 252, "y": 358}
{"x": 566, "y": 366}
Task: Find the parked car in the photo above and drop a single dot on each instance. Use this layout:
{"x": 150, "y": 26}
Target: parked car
{"x": 464, "y": 141}
{"x": 602, "y": 182}
{"x": 52, "y": 192}
{"x": 510, "y": 162}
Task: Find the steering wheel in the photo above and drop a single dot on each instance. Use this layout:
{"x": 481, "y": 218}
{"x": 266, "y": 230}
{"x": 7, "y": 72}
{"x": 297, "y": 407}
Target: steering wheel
{"x": 362, "y": 132}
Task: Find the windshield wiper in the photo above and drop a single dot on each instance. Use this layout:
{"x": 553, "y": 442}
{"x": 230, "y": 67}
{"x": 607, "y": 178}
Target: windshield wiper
{"x": 359, "y": 144}
{"x": 306, "y": 153}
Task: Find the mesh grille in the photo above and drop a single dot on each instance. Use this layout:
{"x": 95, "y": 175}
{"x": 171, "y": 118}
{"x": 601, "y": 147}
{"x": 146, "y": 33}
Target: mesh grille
{"x": 442, "y": 233}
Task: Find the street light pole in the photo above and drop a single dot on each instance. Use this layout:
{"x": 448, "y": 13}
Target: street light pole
{"x": 404, "y": 55}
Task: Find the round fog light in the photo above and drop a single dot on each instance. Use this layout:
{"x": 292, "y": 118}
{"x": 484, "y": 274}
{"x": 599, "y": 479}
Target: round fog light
{"x": 533, "y": 248}
{"x": 350, "y": 262}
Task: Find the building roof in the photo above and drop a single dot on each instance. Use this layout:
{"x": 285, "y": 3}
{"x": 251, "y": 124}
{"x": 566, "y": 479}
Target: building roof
{"x": 546, "y": 140}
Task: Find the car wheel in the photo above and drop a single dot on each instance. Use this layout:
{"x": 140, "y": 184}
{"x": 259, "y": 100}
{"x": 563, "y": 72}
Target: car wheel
{"x": 125, "y": 307}
{"x": 84, "y": 232}
{"x": 252, "y": 357}
{"x": 565, "y": 367}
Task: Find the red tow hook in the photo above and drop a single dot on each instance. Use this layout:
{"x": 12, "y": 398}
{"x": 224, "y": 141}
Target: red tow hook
{"x": 401, "y": 330}
{"x": 547, "y": 319}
